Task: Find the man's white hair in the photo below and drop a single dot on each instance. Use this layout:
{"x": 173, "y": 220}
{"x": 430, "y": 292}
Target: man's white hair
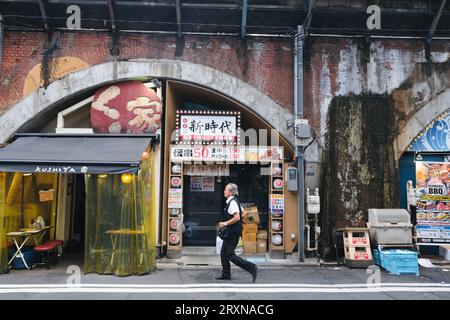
{"x": 233, "y": 188}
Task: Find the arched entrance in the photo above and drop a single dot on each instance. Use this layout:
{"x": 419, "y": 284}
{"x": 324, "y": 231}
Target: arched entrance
{"x": 258, "y": 110}
{"x": 39, "y": 103}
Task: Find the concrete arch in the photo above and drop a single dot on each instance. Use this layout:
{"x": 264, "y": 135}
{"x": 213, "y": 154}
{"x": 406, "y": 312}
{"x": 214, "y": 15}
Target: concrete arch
{"x": 420, "y": 120}
{"x": 243, "y": 93}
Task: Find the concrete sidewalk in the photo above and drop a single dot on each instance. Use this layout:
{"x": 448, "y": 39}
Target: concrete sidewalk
{"x": 193, "y": 282}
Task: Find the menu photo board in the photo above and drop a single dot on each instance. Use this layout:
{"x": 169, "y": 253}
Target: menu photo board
{"x": 433, "y": 202}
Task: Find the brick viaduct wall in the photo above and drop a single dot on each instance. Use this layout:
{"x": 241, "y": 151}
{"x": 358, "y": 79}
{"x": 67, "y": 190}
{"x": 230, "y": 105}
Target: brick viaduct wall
{"x": 372, "y": 89}
{"x": 333, "y": 66}
{"x": 266, "y": 64}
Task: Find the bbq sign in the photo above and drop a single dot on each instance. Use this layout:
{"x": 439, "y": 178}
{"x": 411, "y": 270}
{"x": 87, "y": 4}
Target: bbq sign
{"x": 207, "y": 127}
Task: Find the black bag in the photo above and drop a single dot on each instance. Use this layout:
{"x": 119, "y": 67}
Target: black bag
{"x": 223, "y": 233}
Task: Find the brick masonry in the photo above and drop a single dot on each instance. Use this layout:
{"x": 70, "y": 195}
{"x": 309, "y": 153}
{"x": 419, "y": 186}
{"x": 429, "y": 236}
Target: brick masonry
{"x": 333, "y": 66}
{"x": 262, "y": 63}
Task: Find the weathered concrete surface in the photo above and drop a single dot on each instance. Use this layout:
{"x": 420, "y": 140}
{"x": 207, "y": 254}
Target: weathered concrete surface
{"x": 347, "y": 67}
{"x": 361, "y": 168}
{"x": 74, "y": 83}
{"x": 420, "y": 99}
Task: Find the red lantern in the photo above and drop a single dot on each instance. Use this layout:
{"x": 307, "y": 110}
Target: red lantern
{"x": 174, "y": 224}
{"x": 174, "y": 238}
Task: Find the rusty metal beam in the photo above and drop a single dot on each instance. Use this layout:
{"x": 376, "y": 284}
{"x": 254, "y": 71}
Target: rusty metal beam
{"x": 307, "y": 22}
{"x": 244, "y": 18}
{"x": 43, "y": 14}
{"x": 436, "y": 19}
{"x": 111, "y": 15}
{"x": 178, "y": 8}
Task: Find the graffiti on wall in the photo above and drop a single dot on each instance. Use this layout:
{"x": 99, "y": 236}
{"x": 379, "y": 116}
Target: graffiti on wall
{"x": 60, "y": 67}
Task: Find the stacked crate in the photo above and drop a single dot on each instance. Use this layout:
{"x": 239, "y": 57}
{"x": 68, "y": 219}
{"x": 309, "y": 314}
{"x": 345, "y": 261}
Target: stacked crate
{"x": 397, "y": 261}
{"x": 357, "y": 247}
{"x": 250, "y": 230}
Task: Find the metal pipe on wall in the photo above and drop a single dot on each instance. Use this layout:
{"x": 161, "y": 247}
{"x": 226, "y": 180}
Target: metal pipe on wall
{"x": 298, "y": 105}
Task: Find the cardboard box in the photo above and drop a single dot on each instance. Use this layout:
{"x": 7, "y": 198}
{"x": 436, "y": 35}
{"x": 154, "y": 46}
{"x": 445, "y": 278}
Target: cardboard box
{"x": 249, "y": 228}
{"x": 262, "y": 234}
{"x": 250, "y": 247}
{"x": 249, "y": 237}
{"x": 251, "y": 215}
{"x": 262, "y": 246}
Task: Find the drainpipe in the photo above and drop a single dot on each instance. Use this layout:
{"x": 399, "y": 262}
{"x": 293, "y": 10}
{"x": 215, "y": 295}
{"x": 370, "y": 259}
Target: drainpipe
{"x": 298, "y": 105}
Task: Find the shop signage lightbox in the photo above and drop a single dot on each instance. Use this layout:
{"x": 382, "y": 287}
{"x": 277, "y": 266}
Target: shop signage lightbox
{"x": 264, "y": 154}
{"x": 207, "y": 127}
{"x": 433, "y": 205}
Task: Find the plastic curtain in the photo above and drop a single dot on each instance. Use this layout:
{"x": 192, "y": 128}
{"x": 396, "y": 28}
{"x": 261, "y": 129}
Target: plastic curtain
{"x": 20, "y": 205}
{"x": 118, "y": 224}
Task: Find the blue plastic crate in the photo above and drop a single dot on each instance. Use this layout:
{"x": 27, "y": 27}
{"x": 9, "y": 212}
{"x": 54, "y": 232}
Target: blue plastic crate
{"x": 399, "y": 261}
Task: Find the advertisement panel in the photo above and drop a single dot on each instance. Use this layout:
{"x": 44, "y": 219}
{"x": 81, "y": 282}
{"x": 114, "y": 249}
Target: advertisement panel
{"x": 433, "y": 205}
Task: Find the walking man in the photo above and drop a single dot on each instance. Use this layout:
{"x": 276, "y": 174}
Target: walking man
{"x": 231, "y": 218}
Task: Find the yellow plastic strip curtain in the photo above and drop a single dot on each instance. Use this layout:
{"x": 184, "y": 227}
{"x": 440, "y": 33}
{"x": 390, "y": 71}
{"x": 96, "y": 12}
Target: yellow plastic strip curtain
{"x": 10, "y": 212}
{"x": 118, "y": 224}
{"x": 20, "y": 205}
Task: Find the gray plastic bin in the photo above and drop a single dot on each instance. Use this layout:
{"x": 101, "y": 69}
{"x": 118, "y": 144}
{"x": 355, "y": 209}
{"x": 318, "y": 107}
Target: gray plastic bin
{"x": 390, "y": 226}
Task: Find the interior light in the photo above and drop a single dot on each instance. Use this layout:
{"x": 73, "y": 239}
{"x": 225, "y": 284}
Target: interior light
{"x": 102, "y": 175}
{"x": 126, "y": 178}
{"x": 27, "y": 174}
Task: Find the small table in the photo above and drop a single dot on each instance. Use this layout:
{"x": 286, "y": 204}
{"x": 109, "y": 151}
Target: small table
{"x": 115, "y": 233}
{"x": 25, "y": 234}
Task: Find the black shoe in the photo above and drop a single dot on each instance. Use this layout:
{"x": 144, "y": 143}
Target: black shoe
{"x": 222, "y": 278}
{"x": 254, "y": 274}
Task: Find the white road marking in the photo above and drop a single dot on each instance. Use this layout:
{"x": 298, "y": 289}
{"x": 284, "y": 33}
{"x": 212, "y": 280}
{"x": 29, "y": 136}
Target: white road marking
{"x": 220, "y": 288}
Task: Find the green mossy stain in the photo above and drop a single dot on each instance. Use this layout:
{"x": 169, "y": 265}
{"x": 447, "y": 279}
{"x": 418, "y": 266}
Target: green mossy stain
{"x": 360, "y": 167}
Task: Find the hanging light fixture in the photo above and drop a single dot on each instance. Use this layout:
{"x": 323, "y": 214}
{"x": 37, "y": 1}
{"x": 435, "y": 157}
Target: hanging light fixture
{"x": 145, "y": 155}
{"x": 126, "y": 178}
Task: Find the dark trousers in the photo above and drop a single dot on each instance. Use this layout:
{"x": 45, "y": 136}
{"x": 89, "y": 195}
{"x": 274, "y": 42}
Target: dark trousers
{"x": 227, "y": 254}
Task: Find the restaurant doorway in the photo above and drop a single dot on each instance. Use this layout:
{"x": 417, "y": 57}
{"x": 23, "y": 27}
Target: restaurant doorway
{"x": 77, "y": 198}
{"x": 203, "y": 207}
{"x": 204, "y": 200}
